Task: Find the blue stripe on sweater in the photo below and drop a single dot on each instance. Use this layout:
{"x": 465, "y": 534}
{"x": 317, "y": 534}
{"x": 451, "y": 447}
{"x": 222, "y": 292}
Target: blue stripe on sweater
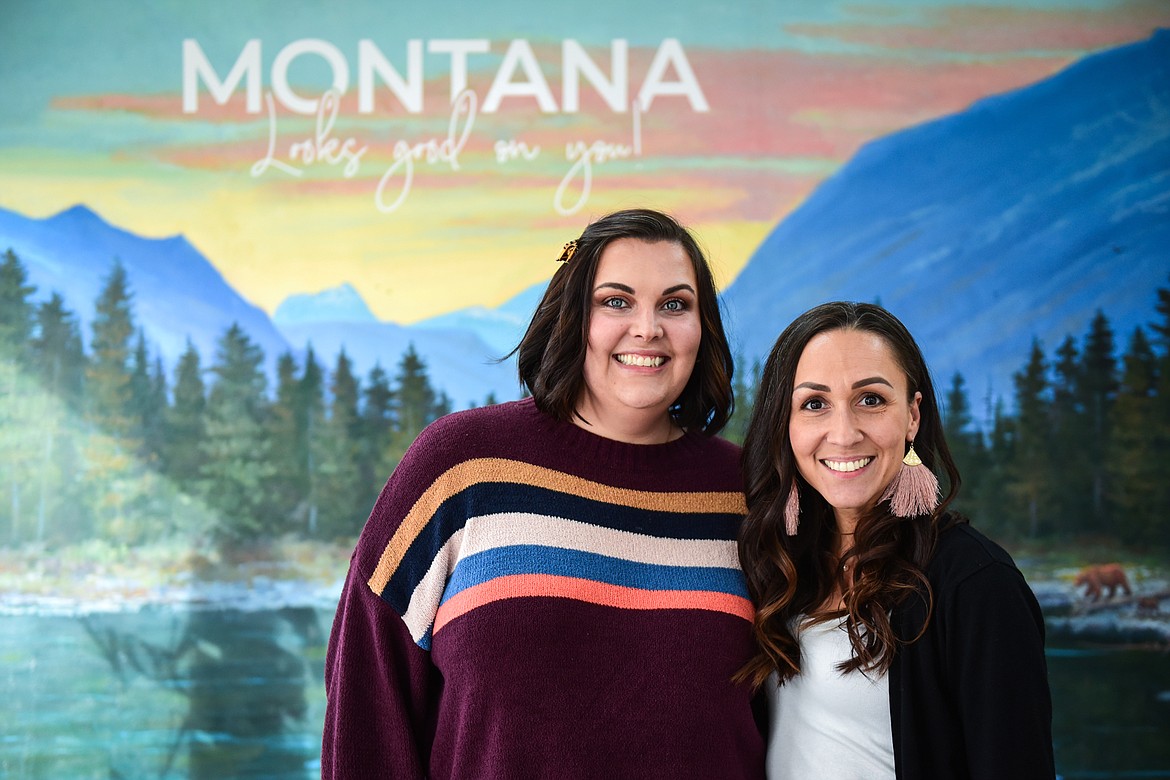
{"x": 535, "y": 559}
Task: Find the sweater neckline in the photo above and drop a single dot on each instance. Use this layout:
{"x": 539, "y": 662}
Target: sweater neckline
{"x": 677, "y": 453}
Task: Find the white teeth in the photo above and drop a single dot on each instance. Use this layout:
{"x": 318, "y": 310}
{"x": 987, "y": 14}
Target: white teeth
{"x": 641, "y": 360}
{"x": 848, "y": 465}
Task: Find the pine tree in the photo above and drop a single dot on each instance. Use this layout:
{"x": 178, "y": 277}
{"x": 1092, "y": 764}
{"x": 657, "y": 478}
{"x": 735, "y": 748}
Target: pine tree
{"x": 59, "y": 363}
{"x": 16, "y": 310}
{"x": 112, "y": 470}
{"x": 1065, "y": 390}
{"x": 997, "y": 512}
{"x": 375, "y": 431}
{"x": 148, "y": 402}
{"x": 442, "y": 405}
{"x": 966, "y": 445}
{"x": 20, "y": 441}
{"x": 158, "y": 402}
{"x": 290, "y": 480}
{"x": 344, "y": 390}
{"x": 1161, "y": 329}
{"x": 343, "y": 501}
{"x": 1098, "y": 393}
{"x": 1031, "y": 481}
{"x": 1071, "y": 491}
{"x": 57, "y": 353}
{"x": 415, "y": 404}
{"x": 237, "y": 470}
{"x": 186, "y": 423}
{"x": 310, "y": 417}
{"x": 1139, "y": 491}
{"x": 1137, "y": 479}
{"x": 108, "y": 373}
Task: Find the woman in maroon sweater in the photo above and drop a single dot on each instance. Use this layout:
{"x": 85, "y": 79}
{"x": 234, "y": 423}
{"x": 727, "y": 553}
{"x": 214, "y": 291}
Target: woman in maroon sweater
{"x": 550, "y": 587}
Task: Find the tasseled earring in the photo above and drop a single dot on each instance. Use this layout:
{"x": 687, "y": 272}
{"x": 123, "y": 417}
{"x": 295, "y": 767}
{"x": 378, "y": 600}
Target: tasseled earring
{"x": 914, "y": 489}
{"x": 792, "y": 511}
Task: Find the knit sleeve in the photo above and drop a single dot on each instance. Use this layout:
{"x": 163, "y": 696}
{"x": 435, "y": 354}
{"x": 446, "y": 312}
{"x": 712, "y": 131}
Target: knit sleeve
{"x": 996, "y": 658}
{"x": 380, "y": 682}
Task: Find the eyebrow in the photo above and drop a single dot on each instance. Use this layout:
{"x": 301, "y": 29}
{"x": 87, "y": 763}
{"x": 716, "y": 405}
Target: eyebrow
{"x": 627, "y": 289}
{"x": 873, "y": 380}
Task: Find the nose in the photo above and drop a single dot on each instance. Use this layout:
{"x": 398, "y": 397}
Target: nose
{"x": 843, "y": 428}
{"x": 646, "y": 324}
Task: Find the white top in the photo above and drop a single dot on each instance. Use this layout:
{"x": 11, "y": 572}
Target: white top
{"x": 825, "y": 723}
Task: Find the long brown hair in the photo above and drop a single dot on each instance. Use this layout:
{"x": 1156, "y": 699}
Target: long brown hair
{"x": 791, "y": 576}
{"x": 551, "y": 355}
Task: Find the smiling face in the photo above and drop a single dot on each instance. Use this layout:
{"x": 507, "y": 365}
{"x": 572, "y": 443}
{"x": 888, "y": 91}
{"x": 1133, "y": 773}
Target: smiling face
{"x": 850, "y": 420}
{"x": 644, "y": 334}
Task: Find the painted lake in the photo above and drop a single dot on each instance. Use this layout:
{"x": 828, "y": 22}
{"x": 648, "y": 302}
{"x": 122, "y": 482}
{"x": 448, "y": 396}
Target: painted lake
{"x": 230, "y": 693}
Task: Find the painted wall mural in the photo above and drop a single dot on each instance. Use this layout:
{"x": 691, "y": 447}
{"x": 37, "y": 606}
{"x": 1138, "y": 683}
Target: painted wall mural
{"x": 249, "y": 249}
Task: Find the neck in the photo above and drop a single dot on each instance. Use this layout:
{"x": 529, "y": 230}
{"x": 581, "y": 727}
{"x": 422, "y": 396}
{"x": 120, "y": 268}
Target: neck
{"x": 846, "y": 522}
{"x": 846, "y": 527}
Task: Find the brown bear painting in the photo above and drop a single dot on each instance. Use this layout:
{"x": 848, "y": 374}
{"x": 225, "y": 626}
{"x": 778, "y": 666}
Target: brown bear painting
{"x": 1106, "y": 576}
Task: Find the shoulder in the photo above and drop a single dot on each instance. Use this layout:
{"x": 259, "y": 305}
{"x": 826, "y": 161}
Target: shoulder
{"x": 963, "y": 549}
{"x": 455, "y": 439}
{"x": 471, "y": 433}
{"x": 435, "y": 468}
{"x": 967, "y": 562}
{"x": 482, "y": 420}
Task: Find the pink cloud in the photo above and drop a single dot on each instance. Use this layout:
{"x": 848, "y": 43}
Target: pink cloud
{"x": 772, "y": 105}
{"x": 999, "y": 30}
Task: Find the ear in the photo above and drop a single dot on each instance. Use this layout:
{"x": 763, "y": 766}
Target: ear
{"x": 915, "y": 417}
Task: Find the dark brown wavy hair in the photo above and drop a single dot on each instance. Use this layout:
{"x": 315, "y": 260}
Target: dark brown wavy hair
{"x": 790, "y": 576}
{"x": 551, "y": 355}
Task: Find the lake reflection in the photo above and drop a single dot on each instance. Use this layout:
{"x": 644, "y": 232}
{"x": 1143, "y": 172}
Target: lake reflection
{"x": 1111, "y": 712}
{"x": 239, "y": 694}
{"x": 202, "y": 694}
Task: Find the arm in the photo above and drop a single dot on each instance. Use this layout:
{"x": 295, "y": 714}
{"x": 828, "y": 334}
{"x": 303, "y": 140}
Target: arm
{"x": 378, "y": 683}
{"x": 996, "y": 662}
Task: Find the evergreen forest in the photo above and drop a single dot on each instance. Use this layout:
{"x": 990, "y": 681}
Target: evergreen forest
{"x": 97, "y": 441}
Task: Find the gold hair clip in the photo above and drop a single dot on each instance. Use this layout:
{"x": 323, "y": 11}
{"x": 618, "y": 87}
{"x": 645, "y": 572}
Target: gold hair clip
{"x": 568, "y": 252}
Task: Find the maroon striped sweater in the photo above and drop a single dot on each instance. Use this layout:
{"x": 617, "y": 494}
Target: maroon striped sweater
{"x": 530, "y": 600}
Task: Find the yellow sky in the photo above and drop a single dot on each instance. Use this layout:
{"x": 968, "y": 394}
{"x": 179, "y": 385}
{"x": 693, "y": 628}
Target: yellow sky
{"x": 270, "y": 243}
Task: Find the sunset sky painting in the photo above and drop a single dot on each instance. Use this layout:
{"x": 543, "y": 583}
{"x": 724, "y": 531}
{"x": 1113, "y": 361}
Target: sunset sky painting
{"x": 752, "y": 105}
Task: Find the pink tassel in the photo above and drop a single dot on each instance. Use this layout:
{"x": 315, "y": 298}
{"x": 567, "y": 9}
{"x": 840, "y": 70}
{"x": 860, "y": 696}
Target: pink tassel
{"x": 914, "y": 490}
{"x": 792, "y": 511}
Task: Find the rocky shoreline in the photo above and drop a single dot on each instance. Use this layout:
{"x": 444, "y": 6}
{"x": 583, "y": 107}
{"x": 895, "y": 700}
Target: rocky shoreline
{"x": 1072, "y": 619}
{"x": 96, "y": 578}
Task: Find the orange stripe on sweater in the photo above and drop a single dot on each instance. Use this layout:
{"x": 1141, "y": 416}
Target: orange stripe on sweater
{"x": 590, "y": 591}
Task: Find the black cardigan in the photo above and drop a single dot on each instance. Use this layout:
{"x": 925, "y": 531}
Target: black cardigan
{"x": 970, "y": 699}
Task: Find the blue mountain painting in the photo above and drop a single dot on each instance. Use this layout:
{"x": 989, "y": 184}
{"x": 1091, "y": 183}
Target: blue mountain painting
{"x": 177, "y": 293}
{"x": 1018, "y": 218}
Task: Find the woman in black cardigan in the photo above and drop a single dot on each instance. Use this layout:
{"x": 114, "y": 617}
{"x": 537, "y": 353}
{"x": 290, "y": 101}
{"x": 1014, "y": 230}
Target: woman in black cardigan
{"x": 895, "y": 640}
